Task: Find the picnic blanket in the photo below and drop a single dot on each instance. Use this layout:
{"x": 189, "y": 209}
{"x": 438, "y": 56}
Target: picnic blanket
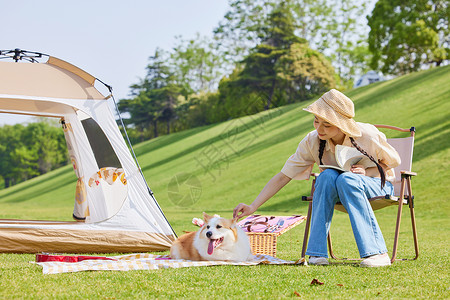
{"x": 53, "y": 264}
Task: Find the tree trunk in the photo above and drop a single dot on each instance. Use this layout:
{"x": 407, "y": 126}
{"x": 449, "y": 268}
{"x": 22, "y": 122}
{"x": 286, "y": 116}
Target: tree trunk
{"x": 155, "y": 129}
{"x": 269, "y": 99}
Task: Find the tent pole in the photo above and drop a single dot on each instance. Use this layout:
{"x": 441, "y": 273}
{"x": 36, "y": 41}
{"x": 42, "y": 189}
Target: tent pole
{"x": 134, "y": 155}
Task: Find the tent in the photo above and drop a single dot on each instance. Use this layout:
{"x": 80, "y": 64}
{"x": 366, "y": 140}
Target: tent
{"x": 115, "y": 208}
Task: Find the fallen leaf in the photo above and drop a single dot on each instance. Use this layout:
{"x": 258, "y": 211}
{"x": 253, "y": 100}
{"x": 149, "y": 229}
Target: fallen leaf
{"x": 297, "y": 294}
{"x": 316, "y": 282}
{"x": 339, "y": 284}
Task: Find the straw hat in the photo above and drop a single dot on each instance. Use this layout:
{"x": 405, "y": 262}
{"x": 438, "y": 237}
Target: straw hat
{"x": 338, "y": 110}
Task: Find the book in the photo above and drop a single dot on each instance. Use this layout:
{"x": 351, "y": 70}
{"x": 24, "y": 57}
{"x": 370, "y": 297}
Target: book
{"x": 346, "y": 157}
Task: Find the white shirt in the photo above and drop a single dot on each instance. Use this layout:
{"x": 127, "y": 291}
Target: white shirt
{"x": 373, "y": 141}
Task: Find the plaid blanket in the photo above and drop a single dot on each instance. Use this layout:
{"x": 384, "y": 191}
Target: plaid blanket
{"x": 144, "y": 261}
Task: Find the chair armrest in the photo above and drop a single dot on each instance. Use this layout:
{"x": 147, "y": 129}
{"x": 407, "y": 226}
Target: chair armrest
{"x": 309, "y": 198}
{"x": 408, "y": 173}
{"x": 306, "y": 198}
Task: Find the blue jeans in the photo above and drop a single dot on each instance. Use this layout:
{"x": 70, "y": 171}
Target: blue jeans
{"x": 353, "y": 191}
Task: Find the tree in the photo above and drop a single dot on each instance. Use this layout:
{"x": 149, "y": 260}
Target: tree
{"x": 343, "y": 39}
{"x": 143, "y": 114}
{"x": 25, "y": 164}
{"x": 307, "y": 72}
{"x": 45, "y": 140}
{"x": 408, "y": 35}
{"x": 29, "y": 151}
{"x": 9, "y": 141}
{"x": 332, "y": 27}
{"x": 167, "y": 97}
{"x": 241, "y": 29}
{"x": 196, "y": 65}
{"x": 155, "y": 98}
{"x": 259, "y": 73}
{"x": 281, "y": 69}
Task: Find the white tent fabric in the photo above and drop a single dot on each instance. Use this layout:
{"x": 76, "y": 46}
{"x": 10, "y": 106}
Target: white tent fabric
{"x": 122, "y": 217}
{"x": 81, "y": 204}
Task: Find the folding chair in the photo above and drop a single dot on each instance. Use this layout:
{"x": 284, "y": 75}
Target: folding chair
{"x": 403, "y": 192}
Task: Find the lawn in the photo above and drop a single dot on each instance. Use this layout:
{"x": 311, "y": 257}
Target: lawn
{"x": 231, "y": 162}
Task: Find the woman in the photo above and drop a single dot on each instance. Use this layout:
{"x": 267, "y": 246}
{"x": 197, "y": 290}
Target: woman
{"x": 334, "y": 125}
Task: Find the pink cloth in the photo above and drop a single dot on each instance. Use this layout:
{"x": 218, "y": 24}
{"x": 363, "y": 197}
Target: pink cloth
{"x": 270, "y": 224}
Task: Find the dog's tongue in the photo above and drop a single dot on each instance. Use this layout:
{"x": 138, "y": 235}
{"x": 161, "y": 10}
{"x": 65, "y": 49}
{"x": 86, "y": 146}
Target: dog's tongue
{"x": 211, "y": 247}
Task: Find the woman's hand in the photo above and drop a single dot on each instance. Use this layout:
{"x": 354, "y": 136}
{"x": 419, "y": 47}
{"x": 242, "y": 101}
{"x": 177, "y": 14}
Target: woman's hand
{"x": 242, "y": 210}
{"x": 272, "y": 187}
{"x": 358, "y": 169}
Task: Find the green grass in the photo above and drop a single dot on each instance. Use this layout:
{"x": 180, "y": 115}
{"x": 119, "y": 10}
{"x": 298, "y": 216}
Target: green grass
{"x": 232, "y": 162}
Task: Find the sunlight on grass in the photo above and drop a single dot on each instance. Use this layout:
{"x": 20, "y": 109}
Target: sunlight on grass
{"x": 233, "y": 161}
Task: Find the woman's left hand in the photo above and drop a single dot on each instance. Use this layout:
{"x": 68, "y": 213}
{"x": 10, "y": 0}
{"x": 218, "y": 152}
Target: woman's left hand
{"x": 358, "y": 169}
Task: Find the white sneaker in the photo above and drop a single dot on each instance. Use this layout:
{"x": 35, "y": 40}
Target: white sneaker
{"x": 318, "y": 260}
{"x": 378, "y": 260}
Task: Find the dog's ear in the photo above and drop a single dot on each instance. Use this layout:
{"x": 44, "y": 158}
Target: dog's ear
{"x": 206, "y": 217}
{"x": 234, "y": 229}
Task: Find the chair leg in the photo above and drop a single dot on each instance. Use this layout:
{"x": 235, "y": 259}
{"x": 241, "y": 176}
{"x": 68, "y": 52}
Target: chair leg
{"x": 306, "y": 235}
{"x": 406, "y": 181}
{"x": 413, "y": 218}
{"x": 399, "y": 218}
{"x": 330, "y": 250}
{"x": 413, "y": 223}
{"x": 330, "y": 246}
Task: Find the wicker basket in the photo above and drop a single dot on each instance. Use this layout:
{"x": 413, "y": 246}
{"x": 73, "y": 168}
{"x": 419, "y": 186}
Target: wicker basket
{"x": 266, "y": 243}
{"x": 263, "y": 243}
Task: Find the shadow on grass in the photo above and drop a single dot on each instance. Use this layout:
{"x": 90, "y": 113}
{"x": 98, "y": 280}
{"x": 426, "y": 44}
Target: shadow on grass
{"x": 30, "y": 192}
{"x": 31, "y": 184}
{"x": 434, "y": 141}
{"x": 280, "y": 137}
{"x": 292, "y": 205}
{"x": 232, "y": 130}
{"x": 167, "y": 140}
{"x": 392, "y": 88}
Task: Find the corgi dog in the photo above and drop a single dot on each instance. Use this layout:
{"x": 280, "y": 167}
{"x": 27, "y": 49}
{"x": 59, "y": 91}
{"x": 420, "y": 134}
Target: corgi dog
{"x": 218, "y": 239}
